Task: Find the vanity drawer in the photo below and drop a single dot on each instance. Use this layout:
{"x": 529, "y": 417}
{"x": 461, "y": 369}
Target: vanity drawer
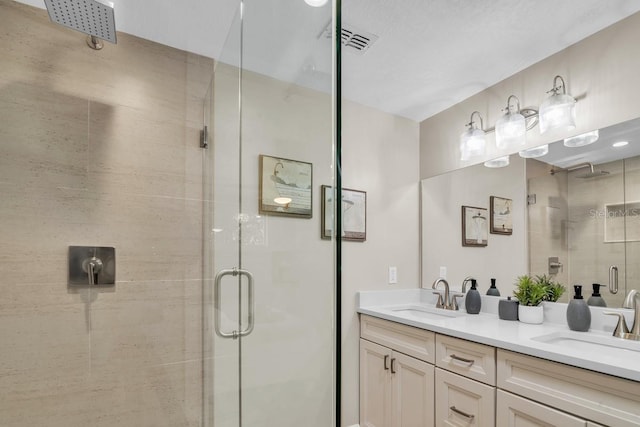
{"x": 469, "y": 359}
{"x": 598, "y": 397}
{"x": 405, "y": 339}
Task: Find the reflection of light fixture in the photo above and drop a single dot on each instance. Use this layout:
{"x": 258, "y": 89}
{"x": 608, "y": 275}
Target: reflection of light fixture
{"x": 316, "y": 3}
{"x": 511, "y": 128}
{"x": 530, "y": 153}
{"x": 282, "y": 200}
{"x": 620, "y": 144}
{"x": 559, "y": 110}
{"x": 582, "y": 140}
{"x": 472, "y": 141}
{"x": 500, "y": 162}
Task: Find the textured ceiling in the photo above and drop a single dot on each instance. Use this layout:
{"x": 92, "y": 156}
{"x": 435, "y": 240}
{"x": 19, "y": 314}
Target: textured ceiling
{"x": 430, "y": 55}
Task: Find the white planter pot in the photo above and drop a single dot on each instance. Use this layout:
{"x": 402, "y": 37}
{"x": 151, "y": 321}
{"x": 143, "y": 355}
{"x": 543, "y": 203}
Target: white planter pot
{"x": 529, "y": 314}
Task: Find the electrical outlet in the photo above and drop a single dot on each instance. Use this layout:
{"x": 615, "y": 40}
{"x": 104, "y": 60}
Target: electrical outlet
{"x": 443, "y": 272}
{"x": 393, "y": 275}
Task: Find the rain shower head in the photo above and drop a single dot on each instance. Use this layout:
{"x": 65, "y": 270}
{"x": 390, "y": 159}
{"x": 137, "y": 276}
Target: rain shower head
{"x": 92, "y": 17}
{"x": 592, "y": 172}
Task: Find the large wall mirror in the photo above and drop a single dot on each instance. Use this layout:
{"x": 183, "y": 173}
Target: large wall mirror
{"x": 575, "y": 214}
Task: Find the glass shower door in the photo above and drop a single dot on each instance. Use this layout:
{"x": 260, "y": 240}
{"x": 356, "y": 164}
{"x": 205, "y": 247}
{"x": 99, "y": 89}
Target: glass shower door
{"x": 269, "y": 337}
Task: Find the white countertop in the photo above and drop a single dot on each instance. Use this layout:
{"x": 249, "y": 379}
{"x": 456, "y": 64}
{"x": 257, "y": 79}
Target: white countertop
{"x": 487, "y": 328}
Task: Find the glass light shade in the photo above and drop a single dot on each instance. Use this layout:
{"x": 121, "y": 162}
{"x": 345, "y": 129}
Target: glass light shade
{"x": 511, "y": 131}
{"x": 620, "y": 144}
{"x": 316, "y": 3}
{"x": 472, "y": 144}
{"x": 582, "y": 140}
{"x": 531, "y": 153}
{"x": 500, "y": 162}
{"x": 558, "y": 112}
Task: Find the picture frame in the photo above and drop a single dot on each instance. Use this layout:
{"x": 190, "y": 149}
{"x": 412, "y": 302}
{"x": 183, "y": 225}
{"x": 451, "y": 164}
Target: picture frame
{"x": 285, "y": 187}
{"x": 474, "y": 226}
{"x": 354, "y": 214}
{"x": 501, "y": 214}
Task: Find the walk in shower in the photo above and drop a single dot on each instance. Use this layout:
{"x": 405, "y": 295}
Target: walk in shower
{"x": 223, "y": 311}
{"x": 269, "y": 115}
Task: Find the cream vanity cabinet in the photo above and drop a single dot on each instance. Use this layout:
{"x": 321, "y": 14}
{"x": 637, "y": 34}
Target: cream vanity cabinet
{"x": 535, "y": 391}
{"x": 465, "y": 383}
{"x": 413, "y": 377}
{"x": 396, "y": 374}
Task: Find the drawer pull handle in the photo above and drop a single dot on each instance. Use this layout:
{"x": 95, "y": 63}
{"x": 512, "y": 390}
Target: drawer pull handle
{"x": 462, "y": 359}
{"x": 463, "y": 414}
{"x": 386, "y": 360}
{"x": 393, "y": 365}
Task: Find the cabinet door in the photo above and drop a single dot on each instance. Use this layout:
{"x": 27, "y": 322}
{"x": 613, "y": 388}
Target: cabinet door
{"x": 413, "y": 392}
{"x": 515, "y": 411}
{"x": 463, "y": 402}
{"x": 375, "y": 385}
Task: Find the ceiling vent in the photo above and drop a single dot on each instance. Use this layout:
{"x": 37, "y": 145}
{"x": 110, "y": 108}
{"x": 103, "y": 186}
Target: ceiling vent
{"x": 353, "y": 40}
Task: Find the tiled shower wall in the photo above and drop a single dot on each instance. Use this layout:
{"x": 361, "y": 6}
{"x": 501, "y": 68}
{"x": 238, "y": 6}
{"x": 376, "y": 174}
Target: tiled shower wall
{"x": 99, "y": 148}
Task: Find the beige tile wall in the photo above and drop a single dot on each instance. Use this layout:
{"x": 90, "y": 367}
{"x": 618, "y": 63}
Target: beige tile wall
{"x": 99, "y": 148}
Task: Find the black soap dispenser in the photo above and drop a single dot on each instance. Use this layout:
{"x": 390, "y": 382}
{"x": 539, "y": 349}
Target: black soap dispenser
{"x": 493, "y": 291}
{"x": 473, "y": 301}
{"x": 578, "y": 313}
{"x": 596, "y": 299}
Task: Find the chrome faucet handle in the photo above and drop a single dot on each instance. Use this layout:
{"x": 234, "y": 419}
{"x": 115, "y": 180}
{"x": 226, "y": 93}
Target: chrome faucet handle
{"x": 454, "y": 303}
{"x": 621, "y": 328}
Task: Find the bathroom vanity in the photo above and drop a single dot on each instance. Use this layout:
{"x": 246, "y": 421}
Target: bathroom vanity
{"x": 421, "y": 366}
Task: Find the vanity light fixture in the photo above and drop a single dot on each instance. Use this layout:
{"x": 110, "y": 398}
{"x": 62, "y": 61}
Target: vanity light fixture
{"x": 511, "y": 128}
{"x": 472, "y": 141}
{"x": 499, "y": 162}
{"x": 534, "y": 152}
{"x": 559, "y": 110}
{"x": 620, "y": 144}
{"x": 582, "y": 140}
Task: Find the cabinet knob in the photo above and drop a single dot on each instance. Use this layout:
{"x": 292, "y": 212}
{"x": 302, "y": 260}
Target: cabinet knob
{"x": 393, "y": 365}
{"x": 386, "y": 360}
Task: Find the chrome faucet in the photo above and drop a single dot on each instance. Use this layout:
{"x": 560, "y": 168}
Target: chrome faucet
{"x": 446, "y": 302}
{"x": 621, "y": 330}
{"x": 635, "y": 329}
{"x": 464, "y": 283}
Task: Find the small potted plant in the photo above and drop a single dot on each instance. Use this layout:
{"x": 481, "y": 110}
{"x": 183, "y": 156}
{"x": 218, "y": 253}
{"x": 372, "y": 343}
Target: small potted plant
{"x": 553, "y": 290}
{"x": 530, "y": 294}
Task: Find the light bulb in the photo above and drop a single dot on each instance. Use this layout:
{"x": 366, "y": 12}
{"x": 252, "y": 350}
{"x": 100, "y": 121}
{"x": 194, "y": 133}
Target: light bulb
{"x": 472, "y": 144}
{"x": 511, "y": 131}
{"x": 558, "y": 112}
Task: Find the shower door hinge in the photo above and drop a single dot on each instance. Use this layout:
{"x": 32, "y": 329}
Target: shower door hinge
{"x": 204, "y": 137}
{"x": 531, "y": 199}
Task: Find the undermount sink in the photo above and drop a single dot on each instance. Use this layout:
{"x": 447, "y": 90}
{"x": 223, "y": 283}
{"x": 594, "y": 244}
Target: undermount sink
{"x": 430, "y": 313}
{"x": 588, "y": 342}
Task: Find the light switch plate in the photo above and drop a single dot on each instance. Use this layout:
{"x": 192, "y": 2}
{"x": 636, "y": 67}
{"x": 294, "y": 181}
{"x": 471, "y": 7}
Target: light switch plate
{"x": 393, "y": 275}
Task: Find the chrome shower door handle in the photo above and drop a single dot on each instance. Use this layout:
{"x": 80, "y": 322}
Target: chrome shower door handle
{"x": 613, "y": 279}
{"x": 217, "y": 303}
